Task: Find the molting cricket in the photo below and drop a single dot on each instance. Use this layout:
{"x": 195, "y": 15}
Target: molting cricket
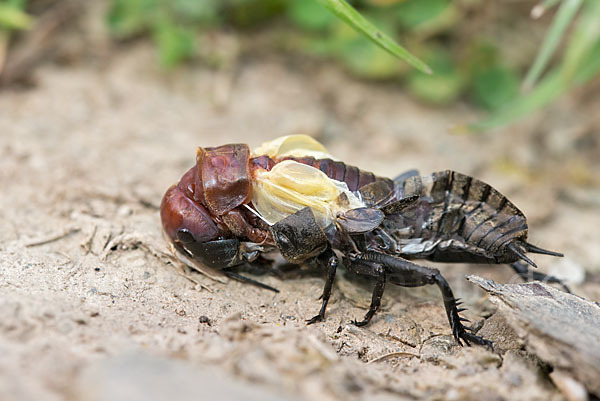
{"x": 291, "y": 196}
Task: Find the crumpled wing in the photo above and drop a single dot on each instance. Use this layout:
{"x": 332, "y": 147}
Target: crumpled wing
{"x": 291, "y": 186}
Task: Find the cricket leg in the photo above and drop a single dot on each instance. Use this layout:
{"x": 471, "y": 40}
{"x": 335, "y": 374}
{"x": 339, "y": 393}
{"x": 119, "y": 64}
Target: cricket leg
{"x": 404, "y": 273}
{"x": 330, "y": 260}
{"x": 373, "y": 269}
{"x": 375, "y": 300}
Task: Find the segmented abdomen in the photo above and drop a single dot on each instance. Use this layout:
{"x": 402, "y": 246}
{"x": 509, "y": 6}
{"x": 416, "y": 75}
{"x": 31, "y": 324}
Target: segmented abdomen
{"x": 456, "y": 206}
{"x": 354, "y": 177}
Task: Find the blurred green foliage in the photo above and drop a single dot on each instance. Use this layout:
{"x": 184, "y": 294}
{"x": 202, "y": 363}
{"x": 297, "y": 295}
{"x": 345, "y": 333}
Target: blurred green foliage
{"x": 467, "y": 64}
{"x": 173, "y": 24}
{"x": 176, "y": 25}
{"x": 428, "y": 25}
{"x": 13, "y": 16}
{"x": 579, "y": 63}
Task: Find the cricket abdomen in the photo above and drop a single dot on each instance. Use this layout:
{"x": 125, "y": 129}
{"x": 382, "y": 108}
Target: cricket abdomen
{"x": 458, "y": 214}
{"x": 354, "y": 177}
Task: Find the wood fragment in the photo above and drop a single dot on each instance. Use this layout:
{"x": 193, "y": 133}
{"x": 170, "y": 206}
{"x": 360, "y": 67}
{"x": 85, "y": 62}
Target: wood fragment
{"x": 562, "y": 329}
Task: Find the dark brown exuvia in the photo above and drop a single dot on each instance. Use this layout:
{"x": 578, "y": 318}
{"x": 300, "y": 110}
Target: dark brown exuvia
{"x": 289, "y": 196}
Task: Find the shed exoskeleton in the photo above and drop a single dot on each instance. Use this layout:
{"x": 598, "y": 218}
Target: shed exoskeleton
{"x": 290, "y": 196}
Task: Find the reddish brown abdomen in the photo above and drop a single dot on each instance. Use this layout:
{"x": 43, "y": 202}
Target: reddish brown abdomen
{"x": 178, "y": 210}
{"x": 354, "y": 177}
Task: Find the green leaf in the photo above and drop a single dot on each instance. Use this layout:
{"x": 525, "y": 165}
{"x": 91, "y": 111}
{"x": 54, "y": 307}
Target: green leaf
{"x": 442, "y": 87}
{"x": 316, "y": 46}
{"x": 563, "y": 18}
{"x": 550, "y": 88}
{"x": 12, "y": 17}
{"x": 353, "y": 18}
{"x": 368, "y": 61}
{"x": 175, "y": 43}
{"x": 412, "y": 13}
{"x": 251, "y": 13}
{"x": 495, "y": 86}
{"x": 20, "y": 4}
{"x": 438, "y": 89}
{"x": 131, "y": 17}
{"x": 309, "y": 15}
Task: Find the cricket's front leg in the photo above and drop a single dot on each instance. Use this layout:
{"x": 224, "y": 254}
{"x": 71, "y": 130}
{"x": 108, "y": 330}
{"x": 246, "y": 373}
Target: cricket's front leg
{"x": 329, "y": 260}
{"x": 376, "y": 298}
{"x": 369, "y": 268}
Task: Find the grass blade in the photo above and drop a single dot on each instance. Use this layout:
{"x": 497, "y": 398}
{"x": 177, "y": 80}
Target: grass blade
{"x": 549, "y": 89}
{"x": 583, "y": 39}
{"x": 590, "y": 68}
{"x": 563, "y": 18}
{"x": 349, "y": 15}
{"x": 580, "y": 64}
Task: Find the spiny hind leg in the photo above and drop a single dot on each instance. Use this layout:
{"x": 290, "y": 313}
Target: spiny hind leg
{"x": 407, "y": 274}
{"x": 329, "y": 259}
{"x": 459, "y": 331}
{"x": 527, "y": 275}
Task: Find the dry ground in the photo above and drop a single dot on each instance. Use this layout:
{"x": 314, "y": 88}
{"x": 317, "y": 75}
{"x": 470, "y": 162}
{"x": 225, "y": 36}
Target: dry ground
{"x": 92, "y": 307}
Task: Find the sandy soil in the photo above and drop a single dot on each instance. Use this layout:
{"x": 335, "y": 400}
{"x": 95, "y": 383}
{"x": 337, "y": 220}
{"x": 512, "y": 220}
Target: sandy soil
{"x": 93, "y": 308}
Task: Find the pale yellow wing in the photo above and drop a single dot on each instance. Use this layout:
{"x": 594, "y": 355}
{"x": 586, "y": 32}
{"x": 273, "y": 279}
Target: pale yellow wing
{"x": 291, "y": 186}
{"x": 293, "y": 146}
